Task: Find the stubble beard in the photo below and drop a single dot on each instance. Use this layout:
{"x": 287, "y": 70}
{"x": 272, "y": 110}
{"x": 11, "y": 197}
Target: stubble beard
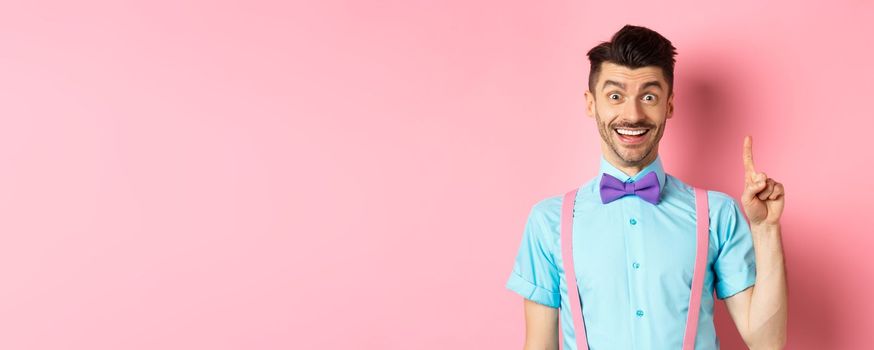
{"x": 607, "y": 134}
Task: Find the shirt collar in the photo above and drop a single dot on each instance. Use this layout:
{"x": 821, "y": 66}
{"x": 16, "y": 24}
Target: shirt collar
{"x": 655, "y": 166}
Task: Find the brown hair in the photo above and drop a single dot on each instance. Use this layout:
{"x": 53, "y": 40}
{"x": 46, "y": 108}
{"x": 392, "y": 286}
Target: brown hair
{"x": 634, "y": 47}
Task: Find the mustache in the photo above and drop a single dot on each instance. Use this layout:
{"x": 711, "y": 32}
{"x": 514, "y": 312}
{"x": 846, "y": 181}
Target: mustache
{"x": 634, "y": 126}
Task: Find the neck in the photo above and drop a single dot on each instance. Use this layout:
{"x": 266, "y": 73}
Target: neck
{"x": 630, "y": 169}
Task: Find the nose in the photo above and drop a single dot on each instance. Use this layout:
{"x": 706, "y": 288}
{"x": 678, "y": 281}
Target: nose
{"x": 633, "y": 112}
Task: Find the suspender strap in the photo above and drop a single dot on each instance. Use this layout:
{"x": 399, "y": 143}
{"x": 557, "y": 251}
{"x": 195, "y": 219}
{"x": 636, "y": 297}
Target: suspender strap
{"x": 567, "y": 257}
{"x": 702, "y": 219}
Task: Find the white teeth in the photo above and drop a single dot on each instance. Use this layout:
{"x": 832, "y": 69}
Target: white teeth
{"x": 630, "y": 132}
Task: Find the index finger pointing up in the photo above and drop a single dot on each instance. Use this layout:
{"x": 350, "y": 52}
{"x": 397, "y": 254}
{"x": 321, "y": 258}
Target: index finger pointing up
{"x": 748, "y": 156}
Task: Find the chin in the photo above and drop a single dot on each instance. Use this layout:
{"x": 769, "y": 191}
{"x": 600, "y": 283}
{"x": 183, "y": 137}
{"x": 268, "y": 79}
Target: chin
{"x": 632, "y": 160}
{"x": 635, "y": 157}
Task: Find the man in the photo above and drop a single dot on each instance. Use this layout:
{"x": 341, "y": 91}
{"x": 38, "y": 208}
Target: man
{"x": 634, "y": 258}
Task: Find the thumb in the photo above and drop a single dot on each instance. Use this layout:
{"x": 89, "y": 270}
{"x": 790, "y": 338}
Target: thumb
{"x": 752, "y": 188}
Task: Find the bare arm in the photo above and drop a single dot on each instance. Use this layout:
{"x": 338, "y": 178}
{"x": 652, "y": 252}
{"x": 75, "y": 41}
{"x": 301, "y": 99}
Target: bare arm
{"x": 541, "y": 326}
{"x": 760, "y": 312}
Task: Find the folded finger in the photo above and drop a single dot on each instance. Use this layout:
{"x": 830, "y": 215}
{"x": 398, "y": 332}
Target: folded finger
{"x": 778, "y": 190}
{"x": 769, "y": 188}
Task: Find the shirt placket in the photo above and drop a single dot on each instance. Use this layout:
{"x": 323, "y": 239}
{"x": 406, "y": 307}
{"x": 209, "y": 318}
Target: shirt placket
{"x": 634, "y": 227}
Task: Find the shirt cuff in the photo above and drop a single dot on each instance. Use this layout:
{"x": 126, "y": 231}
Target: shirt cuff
{"x": 732, "y": 286}
{"x": 533, "y": 292}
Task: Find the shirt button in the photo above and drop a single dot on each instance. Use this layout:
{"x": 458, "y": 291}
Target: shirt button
{"x": 636, "y": 265}
{"x": 639, "y": 313}
{"x": 633, "y": 221}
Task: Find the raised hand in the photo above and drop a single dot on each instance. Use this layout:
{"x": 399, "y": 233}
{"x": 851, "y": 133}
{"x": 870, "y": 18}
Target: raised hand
{"x": 763, "y": 197}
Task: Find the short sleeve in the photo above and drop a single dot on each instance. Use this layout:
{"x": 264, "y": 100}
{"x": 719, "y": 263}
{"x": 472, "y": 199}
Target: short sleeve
{"x": 535, "y": 275}
{"x": 735, "y": 264}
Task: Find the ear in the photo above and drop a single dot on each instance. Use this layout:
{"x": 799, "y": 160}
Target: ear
{"x": 590, "y": 104}
{"x": 670, "y": 106}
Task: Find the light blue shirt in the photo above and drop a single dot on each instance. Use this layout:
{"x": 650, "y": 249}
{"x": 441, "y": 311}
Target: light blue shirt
{"x": 634, "y": 262}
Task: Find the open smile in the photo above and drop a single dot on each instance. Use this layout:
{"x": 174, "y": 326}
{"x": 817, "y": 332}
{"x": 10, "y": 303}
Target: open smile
{"x": 631, "y": 136}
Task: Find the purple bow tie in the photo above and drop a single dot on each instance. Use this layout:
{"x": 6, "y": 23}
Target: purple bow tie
{"x": 646, "y": 188}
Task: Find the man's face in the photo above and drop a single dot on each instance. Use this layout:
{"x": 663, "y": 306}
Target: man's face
{"x": 627, "y": 102}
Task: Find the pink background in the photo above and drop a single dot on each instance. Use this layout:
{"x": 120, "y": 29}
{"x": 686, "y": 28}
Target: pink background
{"x": 356, "y": 175}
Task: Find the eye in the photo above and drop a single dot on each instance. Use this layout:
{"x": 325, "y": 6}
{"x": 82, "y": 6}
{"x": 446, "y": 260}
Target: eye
{"x": 649, "y": 98}
{"x": 614, "y": 96}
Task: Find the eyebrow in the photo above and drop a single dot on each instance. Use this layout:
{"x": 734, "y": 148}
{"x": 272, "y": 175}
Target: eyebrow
{"x": 611, "y": 82}
{"x": 655, "y": 83}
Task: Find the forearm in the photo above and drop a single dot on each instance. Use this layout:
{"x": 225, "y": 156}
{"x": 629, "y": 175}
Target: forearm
{"x": 768, "y": 305}
{"x": 541, "y": 326}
